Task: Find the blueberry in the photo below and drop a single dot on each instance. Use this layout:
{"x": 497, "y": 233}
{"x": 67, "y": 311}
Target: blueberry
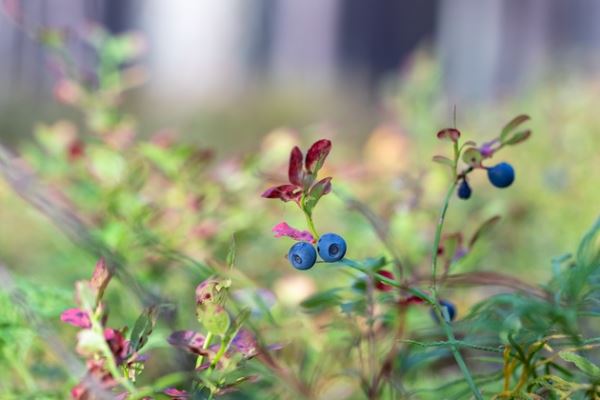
{"x": 501, "y": 175}
{"x": 331, "y": 247}
{"x": 450, "y": 308}
{"x": 302, "y": 255}
{"x": 464, "y": 190}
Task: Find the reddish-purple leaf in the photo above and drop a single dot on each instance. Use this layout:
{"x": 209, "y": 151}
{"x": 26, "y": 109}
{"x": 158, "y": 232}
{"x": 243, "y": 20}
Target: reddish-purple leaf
{"x": 316, "y": 155}
{"x": 321, "y": 188}
{"x": 206, "y": 291}
{"x": 449, "y": 134}
{"x": 245, "y": 343}
{"x": 76, "y": 317}
{"x": 100, "y": 278}
{"x": 176, "y": 394}
{"x": 283, "y": 229}
{"x": 318, "y": 190}
{"x": 283, "y": 192}
{"x": 295, "y": 168}
{"x": 117, "y": 344}
{"x": 188, "y": 340}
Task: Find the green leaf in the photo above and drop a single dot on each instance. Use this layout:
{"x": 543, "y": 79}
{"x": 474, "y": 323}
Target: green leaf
{"x": 472, "y": 156}
{"x": 374, "y": 263}
{"x": 143, "y": 328}
{"x": 518, "y": 137}
{"x": 322, "y": 300}
{"x": 583, "y": 364}
{"x": 443, "y": 160}
{"x": 108, "y": 165}
{"x": 483, "y": 229}
{"x": 215, "y": 319}
{"x": 515, "y": 122}
{"x": 588, "y": 252}
{"x": 230, "y": 259}
{"x": 241, "y": 318}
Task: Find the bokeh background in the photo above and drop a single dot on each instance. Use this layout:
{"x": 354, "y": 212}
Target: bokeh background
{"x": 248, "y": 80}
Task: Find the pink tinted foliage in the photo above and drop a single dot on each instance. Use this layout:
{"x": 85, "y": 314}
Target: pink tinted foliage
{"x": 188, "y": 340}
{"x": 283, "y": 229}
{"x": 449, "y": 134}
{"x": 245, "y": 343}
{"x": 76, "y": 317}
{"x": 100, "y": 278}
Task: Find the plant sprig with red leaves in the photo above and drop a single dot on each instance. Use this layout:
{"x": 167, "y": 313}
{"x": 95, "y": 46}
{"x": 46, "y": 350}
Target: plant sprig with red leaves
{"x": 303, "y": 187}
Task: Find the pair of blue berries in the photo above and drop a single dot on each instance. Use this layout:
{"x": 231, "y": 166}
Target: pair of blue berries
{"x": 501, "y": 176}
{"x": 331, "y": 248}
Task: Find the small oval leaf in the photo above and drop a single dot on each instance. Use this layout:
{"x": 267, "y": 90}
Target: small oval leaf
{"x": 443, "y": 160}
{"x": 518, "y": 137}
{"x": 449, "y": 134}
{"x": 472, "y": 156}
{"x": 516, "y": 121}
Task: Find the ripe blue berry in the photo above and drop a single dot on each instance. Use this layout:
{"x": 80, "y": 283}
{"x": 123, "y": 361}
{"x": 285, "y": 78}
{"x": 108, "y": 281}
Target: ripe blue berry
{"x": 464, "y": 190}
{"x": 331, "y": 247}
{"x": 501, "y": 175}
{"x": 450, "y": 308}
{"x": 302, "y": 255}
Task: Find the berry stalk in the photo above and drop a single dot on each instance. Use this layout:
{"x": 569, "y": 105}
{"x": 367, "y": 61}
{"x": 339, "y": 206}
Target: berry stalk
{"x": 434, "y": 296}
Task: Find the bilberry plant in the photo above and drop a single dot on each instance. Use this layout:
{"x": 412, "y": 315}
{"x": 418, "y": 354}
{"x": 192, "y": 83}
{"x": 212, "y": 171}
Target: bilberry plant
{"x": 332, "y": 248}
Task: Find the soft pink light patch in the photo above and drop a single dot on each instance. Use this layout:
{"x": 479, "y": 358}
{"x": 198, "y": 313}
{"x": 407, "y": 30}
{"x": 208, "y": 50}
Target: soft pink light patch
{"x": 76, "y": 317}
{"x": 283, "y": 229}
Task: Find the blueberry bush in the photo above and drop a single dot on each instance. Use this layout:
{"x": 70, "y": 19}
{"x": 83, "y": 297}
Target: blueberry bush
{"x": 370, "y": 282}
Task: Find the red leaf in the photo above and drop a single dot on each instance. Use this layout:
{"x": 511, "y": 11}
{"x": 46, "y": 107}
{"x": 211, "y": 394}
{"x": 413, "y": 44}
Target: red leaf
{"x": 321, "y": 188}
{"x": 295, "y": 168}
{"x": 76, "y": 317}
{"x": 410, "y": 300}
{"x": 283, "y": 192}
{"x": 316, "y": 155}
{"x": 382, "y": 286}
{"x": 283, "y": 229}
{"x": 449, "y": 134}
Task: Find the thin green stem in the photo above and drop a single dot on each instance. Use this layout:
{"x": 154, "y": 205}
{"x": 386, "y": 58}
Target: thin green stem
{"x": 311, "y": 225}
{"x": 438, "y": 234}
{"x": 205, "y": 345}
{"x": 436, "y": 306}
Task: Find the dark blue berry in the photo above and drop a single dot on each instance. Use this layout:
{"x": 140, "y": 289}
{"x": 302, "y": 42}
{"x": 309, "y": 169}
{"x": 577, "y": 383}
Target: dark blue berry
{"x": 302, "y": 255}
{"x": 464, "y": 190}
{"x": 501, "y": 175}
{"x": 450, "y": 308}
{"x": 331, "y": 247}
